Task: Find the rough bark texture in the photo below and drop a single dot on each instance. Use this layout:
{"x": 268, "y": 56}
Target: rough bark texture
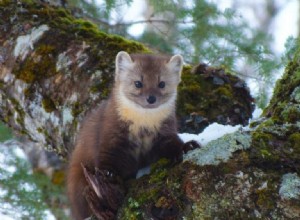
{"x": 54, "y": 68}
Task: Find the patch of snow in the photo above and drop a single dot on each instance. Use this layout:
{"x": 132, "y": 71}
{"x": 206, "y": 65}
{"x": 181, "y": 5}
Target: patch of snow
{"x": 2, "y": 157}
{"x": 3, "y": 192}
{"x": 10, "y": 169}
{"x": 143, "y": 171}
{"x": 7, "y": 210}
{"x": 27, "y": 187}
{"x": 4, "y": 161}
{"x": 49, "y": 215}
{"x": 19, "y": 153}
{"x": 290, "y": 186}
{"x": 210, "y": 133}
{"x": 256, "y": 113}
{"x": 25, "y": 43}
{"x": 3, "y": 213}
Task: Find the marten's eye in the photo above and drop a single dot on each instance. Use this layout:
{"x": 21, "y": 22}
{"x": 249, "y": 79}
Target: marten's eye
{"x": 162, "y": 84}
{"x": 138, "y": 84}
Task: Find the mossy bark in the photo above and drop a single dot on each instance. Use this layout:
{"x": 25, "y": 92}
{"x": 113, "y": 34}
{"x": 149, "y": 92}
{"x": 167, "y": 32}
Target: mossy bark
{"x": 54, "y": 68}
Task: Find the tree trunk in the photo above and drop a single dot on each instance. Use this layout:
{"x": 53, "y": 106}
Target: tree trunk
{"x": 54, "y": 68}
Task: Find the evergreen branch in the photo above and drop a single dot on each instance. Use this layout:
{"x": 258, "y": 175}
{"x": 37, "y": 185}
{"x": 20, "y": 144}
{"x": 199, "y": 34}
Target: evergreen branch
{"x": 147, "y": 21}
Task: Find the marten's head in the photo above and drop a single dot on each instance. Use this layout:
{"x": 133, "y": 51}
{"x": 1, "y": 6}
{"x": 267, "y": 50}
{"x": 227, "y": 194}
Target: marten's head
{"x": 147, "y": 81}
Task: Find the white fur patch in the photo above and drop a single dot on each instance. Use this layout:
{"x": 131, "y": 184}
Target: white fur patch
{"x": 150, "y": 118}
{"x": 143, "y": 118}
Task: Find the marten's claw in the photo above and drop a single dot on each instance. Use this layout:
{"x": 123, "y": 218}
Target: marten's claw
{"x": 190, "y": 145}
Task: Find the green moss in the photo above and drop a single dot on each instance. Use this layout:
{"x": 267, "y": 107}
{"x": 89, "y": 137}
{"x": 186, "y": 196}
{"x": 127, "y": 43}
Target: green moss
{"x": 9, "y": 115}
{"x": 276, "y": 140}
{"x": 28, "y": 92}
{"x": 294, "y": 140}
{"x": 40, "y": 130}
{"x": 132, "y": 207}
{"x": 291, "y": 113}
{"x": 95, "y": 88}
{"x": 293, "y": 148}
{"x": 40, "y": 65}
{"x": 103, "y": 87}
{"x": 161, "y": 164}
{"x": 224, "y": 91}
{"x": 151, "y": 190}
{"x": 284, "y": 88}
{"x": 191, "y": 93}
{"x": 4, "y": 3}
{"x": 276, "y": 145}
{"x": 200, "y": 94}
{"x": 262, "y": 142}
{"x": 263, "y": 197}
{"x": 48, "y": 105}
{"x": 238, "y": 160}
{"x": 58, "y": 177}
{"x": 77, "y": 108}
{"x": 158, "y": 176}
{"x": 268, "y": 123}
{"x": 266, "y": 197}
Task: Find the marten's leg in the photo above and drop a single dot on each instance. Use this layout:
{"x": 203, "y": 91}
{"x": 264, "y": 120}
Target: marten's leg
{"x": 172, "y": 147}
{"x": 104, "y": 194}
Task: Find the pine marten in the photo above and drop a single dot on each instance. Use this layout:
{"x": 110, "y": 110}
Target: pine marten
{"x": 135, "y": 127}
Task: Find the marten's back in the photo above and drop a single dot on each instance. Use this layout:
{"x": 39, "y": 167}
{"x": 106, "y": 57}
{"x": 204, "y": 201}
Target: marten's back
{"x": 85, "y": 153}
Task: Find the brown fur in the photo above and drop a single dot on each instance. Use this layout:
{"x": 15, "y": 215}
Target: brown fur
{"x": 122, "y": 138}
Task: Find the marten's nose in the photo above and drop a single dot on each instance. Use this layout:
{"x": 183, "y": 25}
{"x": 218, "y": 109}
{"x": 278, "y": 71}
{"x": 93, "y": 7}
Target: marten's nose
{"x": 151, "y": 99}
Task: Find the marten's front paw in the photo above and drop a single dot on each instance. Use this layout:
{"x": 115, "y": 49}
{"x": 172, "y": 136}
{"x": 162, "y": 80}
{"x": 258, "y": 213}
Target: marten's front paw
{"x": 190, "y": 145}
{"x": 104, "y": 194}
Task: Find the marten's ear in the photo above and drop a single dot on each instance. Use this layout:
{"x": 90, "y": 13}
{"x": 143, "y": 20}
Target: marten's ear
{"x": 123, "y": 62}
{"x": 175, "y": 64}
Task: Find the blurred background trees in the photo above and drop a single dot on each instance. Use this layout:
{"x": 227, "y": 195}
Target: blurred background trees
{"x": 236, "y": 34}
